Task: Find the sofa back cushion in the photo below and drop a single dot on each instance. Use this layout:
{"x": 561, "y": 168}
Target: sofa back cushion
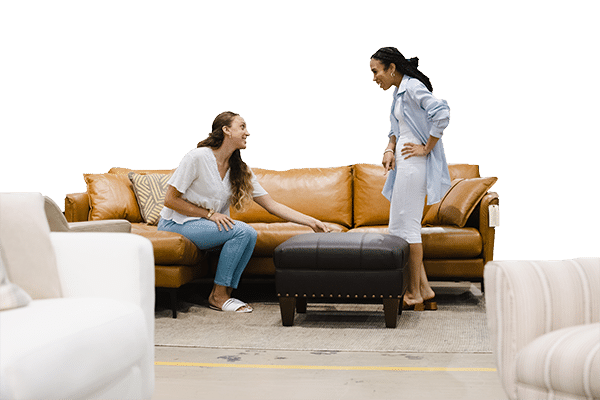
{"x": 371, "y": 208}
{"x": 27, "y": 250}
{"x": 323, "y": 193}
{"x": 111, "y": 197}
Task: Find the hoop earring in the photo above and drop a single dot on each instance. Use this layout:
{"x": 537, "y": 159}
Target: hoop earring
{"x": 393, "y": 74}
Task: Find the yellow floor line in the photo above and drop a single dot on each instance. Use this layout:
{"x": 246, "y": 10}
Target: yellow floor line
{"x": 321, "y": 367}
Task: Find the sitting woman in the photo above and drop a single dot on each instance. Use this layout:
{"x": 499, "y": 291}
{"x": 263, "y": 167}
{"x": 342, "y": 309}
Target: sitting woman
{"x": 208, "y": 180}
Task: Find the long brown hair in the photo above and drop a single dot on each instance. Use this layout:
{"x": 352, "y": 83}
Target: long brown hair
{"x": 240, "y": 176}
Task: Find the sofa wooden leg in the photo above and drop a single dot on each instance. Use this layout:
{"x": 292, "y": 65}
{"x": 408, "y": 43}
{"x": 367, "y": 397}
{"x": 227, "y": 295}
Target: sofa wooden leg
{"x": 390, "y": 310}
{"x": 301, "y": 305}
{"x": 287, "y": 306}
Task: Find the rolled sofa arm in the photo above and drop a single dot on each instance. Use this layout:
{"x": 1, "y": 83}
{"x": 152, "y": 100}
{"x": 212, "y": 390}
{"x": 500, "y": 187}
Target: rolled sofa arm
{"x": 77, "y": 207}
{"x": 528, "y": 299}
{"x": 118, "y": 266}
{"x": 488, "y": 233}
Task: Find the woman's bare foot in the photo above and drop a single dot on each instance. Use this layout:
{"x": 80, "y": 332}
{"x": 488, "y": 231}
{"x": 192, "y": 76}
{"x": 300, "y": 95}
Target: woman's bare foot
{"x": 410, "y": 300}
{"x": 220, "y": 294}
{"x": 427, "y": 293}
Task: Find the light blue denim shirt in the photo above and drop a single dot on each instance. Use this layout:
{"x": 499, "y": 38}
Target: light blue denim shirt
{"x": 426, "y": 116}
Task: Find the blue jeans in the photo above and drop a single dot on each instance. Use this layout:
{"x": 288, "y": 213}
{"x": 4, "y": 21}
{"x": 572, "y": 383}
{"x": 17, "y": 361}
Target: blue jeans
{"x": 238, "y": 245}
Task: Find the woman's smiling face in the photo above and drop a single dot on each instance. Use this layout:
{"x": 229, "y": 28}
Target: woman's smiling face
{"x": 238, "y": 131}
{"x": 383, "y": 78}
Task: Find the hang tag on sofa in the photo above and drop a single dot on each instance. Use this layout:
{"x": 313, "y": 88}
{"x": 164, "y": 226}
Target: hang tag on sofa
{"x": 494, "y": 212}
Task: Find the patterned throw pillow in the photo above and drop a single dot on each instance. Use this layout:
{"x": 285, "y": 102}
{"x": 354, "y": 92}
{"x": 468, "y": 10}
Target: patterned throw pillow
{"x": 11, "y": 295}
{"x": 150, "y": 193}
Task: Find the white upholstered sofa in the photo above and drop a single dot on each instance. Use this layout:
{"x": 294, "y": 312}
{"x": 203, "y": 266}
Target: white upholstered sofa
{"x": 76, "y": 309}
{"x": 544, "y": 321}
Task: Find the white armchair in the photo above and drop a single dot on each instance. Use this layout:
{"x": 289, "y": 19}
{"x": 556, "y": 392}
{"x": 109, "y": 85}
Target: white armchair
{"x": 95, "y": 339}
{"x": 544, "y": 321}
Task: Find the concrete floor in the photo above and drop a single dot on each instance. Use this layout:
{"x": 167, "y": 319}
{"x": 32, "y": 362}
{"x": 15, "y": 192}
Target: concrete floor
{"x": 209, "y": 373}
{"x": 249, "y": 374}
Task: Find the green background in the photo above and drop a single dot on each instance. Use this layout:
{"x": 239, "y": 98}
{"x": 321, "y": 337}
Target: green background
{"x": 87, "y": 86}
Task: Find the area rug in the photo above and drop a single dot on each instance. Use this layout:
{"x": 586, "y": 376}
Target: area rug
{"x": 458, "y": 326}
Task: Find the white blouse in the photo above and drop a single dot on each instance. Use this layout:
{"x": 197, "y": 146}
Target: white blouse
{"x": 198, "y": 178}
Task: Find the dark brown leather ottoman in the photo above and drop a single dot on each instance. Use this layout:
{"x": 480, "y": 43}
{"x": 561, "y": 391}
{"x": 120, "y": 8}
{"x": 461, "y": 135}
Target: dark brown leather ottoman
{"x": 349, "y": 266}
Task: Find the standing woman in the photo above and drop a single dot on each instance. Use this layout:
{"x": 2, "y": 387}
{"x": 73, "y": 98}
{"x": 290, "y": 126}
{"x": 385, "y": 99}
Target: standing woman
{"x": 414, "y": 159}
{"x": 208, "y": 180}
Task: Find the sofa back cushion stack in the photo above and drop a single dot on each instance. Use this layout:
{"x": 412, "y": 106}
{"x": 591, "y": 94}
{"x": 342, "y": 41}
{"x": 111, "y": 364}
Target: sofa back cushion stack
{"x": 323, "y": 193}
{"x": 112, "y": 195}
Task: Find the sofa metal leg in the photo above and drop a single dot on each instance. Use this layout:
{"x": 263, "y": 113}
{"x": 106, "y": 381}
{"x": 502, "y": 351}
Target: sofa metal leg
{"x": 173, "y": 296}
{"x": 390, "y": 310}
{"x": 287, "y": 306}
{"x": 301, "y": 305}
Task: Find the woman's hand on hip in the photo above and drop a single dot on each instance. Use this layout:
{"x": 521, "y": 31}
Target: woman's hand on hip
{"x": 413, "y": 150}
{"x": 389, "y": 162}
{"x": 222, "y": 221}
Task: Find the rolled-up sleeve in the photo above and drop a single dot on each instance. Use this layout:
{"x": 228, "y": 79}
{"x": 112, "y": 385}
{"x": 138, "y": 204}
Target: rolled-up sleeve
{"x": 437, "y": 110}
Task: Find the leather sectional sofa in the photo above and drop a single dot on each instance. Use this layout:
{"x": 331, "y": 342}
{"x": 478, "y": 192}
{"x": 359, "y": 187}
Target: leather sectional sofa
{"x": 457, "y": 237}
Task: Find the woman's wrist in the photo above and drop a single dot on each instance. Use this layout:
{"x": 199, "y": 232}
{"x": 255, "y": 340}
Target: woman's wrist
{"x": 388, "y": 151}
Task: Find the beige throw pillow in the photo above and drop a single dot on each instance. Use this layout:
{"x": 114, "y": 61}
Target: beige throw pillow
{"x": 11, "y": 295}
{"x": 150, "y": 193}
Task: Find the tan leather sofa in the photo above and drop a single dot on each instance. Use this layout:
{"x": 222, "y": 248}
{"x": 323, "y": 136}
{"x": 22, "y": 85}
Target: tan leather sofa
{"x": 457, "y": 237}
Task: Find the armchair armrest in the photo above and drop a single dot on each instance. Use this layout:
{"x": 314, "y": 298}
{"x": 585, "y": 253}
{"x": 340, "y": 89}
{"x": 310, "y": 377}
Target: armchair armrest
{"x": 109, "y": 225}
{"x": 527, "y": 299}
{"x": 488, "y": 233}
{"x": 77, "y": 207}
{"x": 111, "y": 265}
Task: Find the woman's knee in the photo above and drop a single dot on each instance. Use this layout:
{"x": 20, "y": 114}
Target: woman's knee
{"x": 243, "y": 229}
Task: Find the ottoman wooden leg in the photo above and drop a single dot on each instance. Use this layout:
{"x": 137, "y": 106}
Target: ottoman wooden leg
{"x": 390, "y": 310}
{"x": 301, "y": 305}
{"x": 287, "y": 306}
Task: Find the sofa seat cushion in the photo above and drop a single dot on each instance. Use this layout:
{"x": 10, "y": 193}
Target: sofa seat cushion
{"x": 445, "y": 242}
{"x": 565, "y": 361}
{"x": 271, "y": 235}
{"x": 43, "y": 346}
{"x": 170, "y": 248}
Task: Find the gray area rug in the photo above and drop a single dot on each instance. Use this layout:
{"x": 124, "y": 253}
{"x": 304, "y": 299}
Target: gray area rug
{"x": 458, "y": 326}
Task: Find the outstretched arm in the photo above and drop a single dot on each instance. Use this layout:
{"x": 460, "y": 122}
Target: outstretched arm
{"x": 283, "y": 211}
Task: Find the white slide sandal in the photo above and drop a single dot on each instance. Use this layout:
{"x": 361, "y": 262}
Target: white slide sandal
{"x": 234, "y": 305}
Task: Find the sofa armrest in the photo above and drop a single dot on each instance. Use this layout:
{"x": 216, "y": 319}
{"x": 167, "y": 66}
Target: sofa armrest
{"x": 109, "y": 225}
{"x": 527, "y": 299}
{"x": 77, "y": 207}
{"x": 110, "y": 265}
{"x": 488, "y": 233}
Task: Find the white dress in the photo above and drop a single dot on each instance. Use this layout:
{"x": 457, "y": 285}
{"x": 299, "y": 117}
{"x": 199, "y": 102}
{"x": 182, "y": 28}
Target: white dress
{"x": 410, "y": 188}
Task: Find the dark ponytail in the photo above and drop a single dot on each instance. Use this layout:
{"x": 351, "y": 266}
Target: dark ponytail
{"x": 410, "y": 67}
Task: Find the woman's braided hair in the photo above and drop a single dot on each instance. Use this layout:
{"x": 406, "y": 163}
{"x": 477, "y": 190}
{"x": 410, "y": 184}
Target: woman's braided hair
{"x": 240, "y": 176}
{"x": 391, "y": 55}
